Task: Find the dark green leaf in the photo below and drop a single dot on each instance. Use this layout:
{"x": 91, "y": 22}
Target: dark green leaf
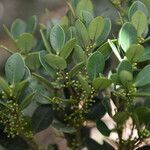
{"x": 93, "y": 145}
{"x": 95, "y": 65}
{"x": 101, "y": 126}
{"x": 107, "y": 104}
{"x": 121, "y": 117}
{"x": 143, "y": 114}
{"x": 42, "y": 118}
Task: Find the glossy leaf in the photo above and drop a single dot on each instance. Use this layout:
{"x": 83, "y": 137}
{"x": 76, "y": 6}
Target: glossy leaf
{"x": 127, "y": 36}
{"x": 15, "y": 68}
{"x": 57, "y": 38}
{"x": 95, "y": 65}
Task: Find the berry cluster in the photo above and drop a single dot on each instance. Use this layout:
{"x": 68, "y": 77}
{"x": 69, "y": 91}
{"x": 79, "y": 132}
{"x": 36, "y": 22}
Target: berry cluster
{"x": 13, "y": 121}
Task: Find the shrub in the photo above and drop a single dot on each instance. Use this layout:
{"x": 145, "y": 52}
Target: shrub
{"x": 64, "y": 73}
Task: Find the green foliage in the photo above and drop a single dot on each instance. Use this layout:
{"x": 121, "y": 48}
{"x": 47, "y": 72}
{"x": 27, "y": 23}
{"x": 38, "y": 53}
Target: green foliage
{"x": 71, "y": 77}
{"x": 57, "y": 38}
{"x": 15, "y": 68}
{"x": 127, "y": 36}
{"x": 95, "y": 65}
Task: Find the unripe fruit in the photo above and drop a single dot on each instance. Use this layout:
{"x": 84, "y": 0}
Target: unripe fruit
{"x": 126, "y": 78}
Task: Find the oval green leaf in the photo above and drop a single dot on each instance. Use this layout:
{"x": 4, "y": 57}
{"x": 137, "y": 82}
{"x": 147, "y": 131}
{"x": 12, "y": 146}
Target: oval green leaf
{"x": 96, "y": 27}
{"x": 57, "y": 38}
{"x": 95, "y": 65}
{"x": 127, "y": 36}
{"x": 15, "y": 68}
{"x": 135, "y": 52}
{"x": 140, "y": 22}
{"x": 55, "y": 61}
